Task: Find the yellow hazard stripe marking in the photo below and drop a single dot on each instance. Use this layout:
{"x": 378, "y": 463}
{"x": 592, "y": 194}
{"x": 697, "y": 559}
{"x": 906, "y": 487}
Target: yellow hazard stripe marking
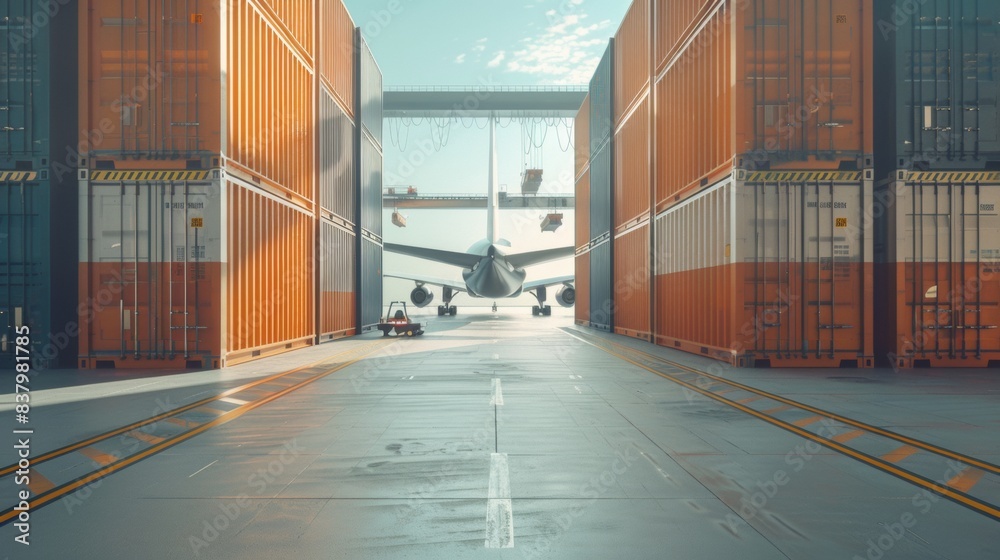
{"x": 803, "y": 176}
{"x": 98, "y": 456}
{"x": 18, "y": 176}
{"x": 150, "y": 175}
{"x": 899, "y": 454}
{"x": 954, "y": 177}
{"x": 38, "y": 484}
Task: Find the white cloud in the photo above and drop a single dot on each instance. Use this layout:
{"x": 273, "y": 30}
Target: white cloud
{"x": 460, "y": 58}
{"x": 497, "y": 59}
{"x": 566, "y": 53}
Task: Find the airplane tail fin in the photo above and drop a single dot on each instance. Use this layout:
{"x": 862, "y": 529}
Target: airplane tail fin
{"x": 492, "y": 201}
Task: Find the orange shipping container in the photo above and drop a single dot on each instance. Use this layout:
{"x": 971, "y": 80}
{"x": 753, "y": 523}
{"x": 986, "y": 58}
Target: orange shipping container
{"x": 582, "y": 285}
{"x": 337, "y": 48}
{"x": 632, "y": 276}
{"x": 939, "y": 270}
{"x": 152, "y": 79}
{"x": 632, "y": 57}
{"x": 581, "y": 141}
{"x": 770, "y": 269}
{"x": 801, "y": 98}
{"x": 674, "y": 21}
{"x": 632, "y": 171}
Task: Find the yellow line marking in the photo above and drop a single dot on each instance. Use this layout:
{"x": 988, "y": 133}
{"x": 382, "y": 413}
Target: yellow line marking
{"x": 972, "y": 461}
{"x": 170, "y": 413}
{"x": 952, "y": 494}
{"x": 143, "y": 436}
{"x": 777, "y": 409}
{"x": 848, "y": 436}
{"x": 899, "y": 454}
{"x": 39, "y": 484}
{"x": 807, "y": 421}
{"x": 131, "y": 460}
{"x": 966, "y": 480}
{"x": 98, "y": 456}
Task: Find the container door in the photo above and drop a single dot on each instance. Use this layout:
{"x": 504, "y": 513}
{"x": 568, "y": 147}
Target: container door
{"x": 20, "y": 274}
{"x": 772, "y": 279}
{"x": 977, "y": 35}
{"x": 188, "y": 227}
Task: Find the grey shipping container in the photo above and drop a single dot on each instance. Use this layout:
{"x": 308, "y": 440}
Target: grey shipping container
{"x": 370, "y": 86}
{"x": 601, "y": 282}
{"x": 337, "y": 262}
{"x": 370, "y": 284}
{"x": 338, "y": 182}
{"x": 601, "y": 199}
{"x": 936, "y": 81}
{"x": 38, "y": 267}
{"x": 602, "y": 87}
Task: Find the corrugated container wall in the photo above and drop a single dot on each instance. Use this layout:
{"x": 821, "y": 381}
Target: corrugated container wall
{"x": 600, "y": 284}
{"x": 582, "y": 148}
{"x": 583, "y": 209}
{"x": 369, "y": 109}
{"x": 674, "y": 20}
{"x": 581, "y": 137}
{"x": 337, "y": 51}
{"x": 602, "y": 87}
{"x": 770, "y": 269}
{"x": 337, "y": 281}
{"x": 601, "y": 176}
{"x": 582, "y": 285}
{"x": 802, "y": 91}
{"x": 337, "y": 179}
{"x": 631, "y": 57}
{"x": 632, "y": 172}
{"x": 632, "y": 278}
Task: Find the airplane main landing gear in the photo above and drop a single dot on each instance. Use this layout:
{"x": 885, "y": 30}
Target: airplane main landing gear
{"x": 541, "y": 309}
{"x": 447, "y": 294}
{"x": 494, "y": 307}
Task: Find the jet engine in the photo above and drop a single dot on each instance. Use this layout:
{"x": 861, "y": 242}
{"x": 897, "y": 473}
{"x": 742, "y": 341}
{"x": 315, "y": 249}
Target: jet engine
{"x": 566, "y": 296}
{"x": 421, "y": 296}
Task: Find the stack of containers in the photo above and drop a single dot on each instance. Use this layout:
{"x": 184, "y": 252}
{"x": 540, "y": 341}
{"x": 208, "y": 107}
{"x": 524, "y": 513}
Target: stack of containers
{"x": 582, "y": 261}
{"x": 632, "y": 172}
{"x": 938, "y": 197}
{"x": 338, "y": 214}
{"x": 601, "y": 174}
{"x": 763, "y": 183}
{"x": 198, "y": 191}
{"x": 34, "y": 276}
{"x": 369, "y": 165}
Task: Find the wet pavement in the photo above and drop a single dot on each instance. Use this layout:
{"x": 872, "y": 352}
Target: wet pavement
{"x": 492, "y": 436}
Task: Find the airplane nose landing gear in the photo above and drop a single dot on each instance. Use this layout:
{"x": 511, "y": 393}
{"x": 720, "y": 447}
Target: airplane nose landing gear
{"x": 494, "y": 307}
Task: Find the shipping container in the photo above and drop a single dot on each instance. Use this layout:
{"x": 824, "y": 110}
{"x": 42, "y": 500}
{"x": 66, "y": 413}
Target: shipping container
{"x": 937, "y": 86}
{"x": 582, "y": 284}
{"x": 938, "y": 270}
{"x": 294, "y": 18}
{"x": 368, "y": 108}
{"x": 674, "y": 21}
{"x": 632, "y": 279}
{"x": 338, "y": 292}
{"x": 764, "y": 85}
{"x": 601, "y": 197}
{"x": 37, "y": 133}
{"x": 582, "y": 210}
{"x": 770, "y": 269}
{"x": 602, "y": 108}
{"x": 337, "y": 176}
{"x": 153, "y": 89}
{"x": 337, "y": 52}
{"x": 600, "y": 284}
{"x": 183, "y": 271}
{"x": 632, "y": 167}
{"x": 632, "y": 53}
{"x": 369, "y": 92}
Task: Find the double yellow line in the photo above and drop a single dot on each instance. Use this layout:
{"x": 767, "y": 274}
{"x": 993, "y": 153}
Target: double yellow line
{"x": 64, "y": 489}
{"x": 957, "y": 496}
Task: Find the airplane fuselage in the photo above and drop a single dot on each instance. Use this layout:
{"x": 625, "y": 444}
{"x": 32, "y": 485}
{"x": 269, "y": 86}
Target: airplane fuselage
{"x": 494, "y": 277}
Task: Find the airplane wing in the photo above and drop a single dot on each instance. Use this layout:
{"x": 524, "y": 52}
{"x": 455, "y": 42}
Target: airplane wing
{"x": 528, "y": 286}
{"x": 538, "y": 257}
{"x": 463, "y": 260}
{"x": 453, "y": 284}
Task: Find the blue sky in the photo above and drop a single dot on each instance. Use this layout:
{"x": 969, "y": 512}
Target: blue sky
{"x": 476, "y": 42}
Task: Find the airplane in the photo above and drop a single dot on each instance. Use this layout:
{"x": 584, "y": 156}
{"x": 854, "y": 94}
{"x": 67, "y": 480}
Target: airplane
{"x": 488, "y": 269}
